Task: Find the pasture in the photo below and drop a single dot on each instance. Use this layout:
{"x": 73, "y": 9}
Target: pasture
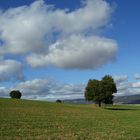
{"x": 38, "y": 120}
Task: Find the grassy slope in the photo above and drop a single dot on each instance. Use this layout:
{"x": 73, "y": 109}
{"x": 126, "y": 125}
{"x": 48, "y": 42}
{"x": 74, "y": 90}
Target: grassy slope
{"x": 21, "y": 119}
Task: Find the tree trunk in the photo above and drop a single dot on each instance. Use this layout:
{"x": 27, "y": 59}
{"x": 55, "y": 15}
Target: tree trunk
{"x": 99, "y": 104}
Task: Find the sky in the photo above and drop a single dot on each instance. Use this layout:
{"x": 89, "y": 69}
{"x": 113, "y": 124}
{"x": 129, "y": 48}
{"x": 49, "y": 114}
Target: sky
{"x": 49, "y": 49}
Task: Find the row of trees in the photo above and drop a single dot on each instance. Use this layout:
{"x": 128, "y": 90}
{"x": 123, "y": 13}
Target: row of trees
{"x": 98, "y": 91}
{"x": 101, "y": 91}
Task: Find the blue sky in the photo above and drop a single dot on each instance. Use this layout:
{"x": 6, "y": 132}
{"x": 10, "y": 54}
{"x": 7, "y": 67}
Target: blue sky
{"x": 68, "y": 47}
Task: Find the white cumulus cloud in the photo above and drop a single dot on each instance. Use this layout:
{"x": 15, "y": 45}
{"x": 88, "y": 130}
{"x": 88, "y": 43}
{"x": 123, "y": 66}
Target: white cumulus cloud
{"x": 77, "y": 52}
{"x": 24, "y": 29}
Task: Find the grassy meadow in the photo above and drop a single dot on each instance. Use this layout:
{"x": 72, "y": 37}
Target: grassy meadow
{"x": 37, "y": 120}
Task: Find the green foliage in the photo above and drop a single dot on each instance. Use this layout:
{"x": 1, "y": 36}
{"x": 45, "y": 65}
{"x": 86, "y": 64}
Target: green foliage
{"x": 93, "y": 91}
{"x": 101, "y": 91}
{"x": 15, "y": 94}
{"x": 38, "y": 120}
{"x": 108, "y": 88}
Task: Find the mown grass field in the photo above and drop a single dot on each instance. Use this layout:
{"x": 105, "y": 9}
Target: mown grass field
{"x": 31, "y": 120}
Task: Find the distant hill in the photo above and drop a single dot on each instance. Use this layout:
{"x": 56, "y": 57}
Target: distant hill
{"x": 132, "y": 99}
{"x": 77, "y": 101}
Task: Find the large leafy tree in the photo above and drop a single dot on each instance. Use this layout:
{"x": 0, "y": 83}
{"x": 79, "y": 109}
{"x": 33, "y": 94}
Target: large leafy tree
{"x": 108, "y": 88}
{"x": 93, "y": 91}
{"x": 101, "y": 91}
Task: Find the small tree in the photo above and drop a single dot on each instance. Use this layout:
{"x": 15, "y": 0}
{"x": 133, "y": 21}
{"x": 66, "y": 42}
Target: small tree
{"x": 15, "y": 94}
{"x": 58, "y": 101}
{"x": 101, "y": 91}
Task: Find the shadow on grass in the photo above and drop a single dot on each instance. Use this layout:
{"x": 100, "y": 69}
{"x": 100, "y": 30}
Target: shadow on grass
{"x": 120, "y": 109}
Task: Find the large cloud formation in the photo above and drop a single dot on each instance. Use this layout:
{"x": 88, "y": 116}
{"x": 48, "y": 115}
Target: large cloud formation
{"x": 43, "y": 35}
{"x": 77, "y": 52}
{"x": 58, "y": 37}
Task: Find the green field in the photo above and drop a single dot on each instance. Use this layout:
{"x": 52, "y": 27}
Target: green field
{"x": 27, "y": 120}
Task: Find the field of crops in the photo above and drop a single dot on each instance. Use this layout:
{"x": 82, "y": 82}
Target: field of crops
{"x": 27, "y": 120}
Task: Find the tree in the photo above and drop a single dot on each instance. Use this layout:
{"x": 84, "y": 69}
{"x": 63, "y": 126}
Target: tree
{"x": 101, "y": 91}
{"x": 108, "y": 88}
{"x": 58, "y": 101}
{"x": 93, "y": 91}
{"x": 15, "y": 94}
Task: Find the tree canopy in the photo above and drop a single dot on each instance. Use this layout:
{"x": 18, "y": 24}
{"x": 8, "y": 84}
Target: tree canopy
{"x": 101, "y": 91}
